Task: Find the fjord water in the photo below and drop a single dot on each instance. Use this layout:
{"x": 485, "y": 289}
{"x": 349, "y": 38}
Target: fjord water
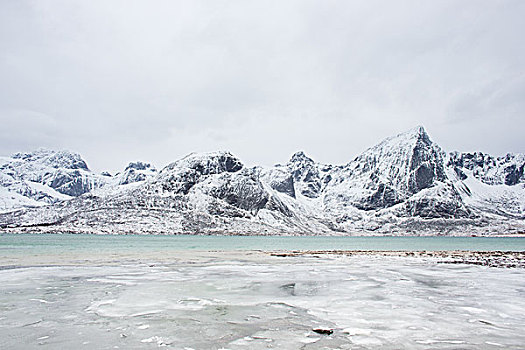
{"x": 191, "y": 292}
{"x": 42, "y": 243}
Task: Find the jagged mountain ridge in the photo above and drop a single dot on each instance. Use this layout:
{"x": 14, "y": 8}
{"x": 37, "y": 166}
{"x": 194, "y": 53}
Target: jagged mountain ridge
{"x": 404, "y": 185}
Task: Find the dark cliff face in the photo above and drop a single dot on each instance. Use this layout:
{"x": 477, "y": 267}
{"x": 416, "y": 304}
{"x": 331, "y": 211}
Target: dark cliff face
{"x": 305, "y": 172}
{"x": 131, "y": 176}
{"x": 513, "y": 169}
{"x": 242, "y": 190}
{"x": 514, "y": 174}
{"x": 279, "y": 179}
{"x": 69, "y": 183}
{"x": 426, "y": 164}
{"x": 446, "y": 203}
{"x": 182, "y": 175}
{"x": 214, "y": 163}
{"x": 392, "y": 171}
{"x": 285, "y": 186}
{"x": 383, "y": 196}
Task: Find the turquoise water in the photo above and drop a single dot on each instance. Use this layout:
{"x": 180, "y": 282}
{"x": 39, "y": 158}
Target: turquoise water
{"x": 53, "y": 243}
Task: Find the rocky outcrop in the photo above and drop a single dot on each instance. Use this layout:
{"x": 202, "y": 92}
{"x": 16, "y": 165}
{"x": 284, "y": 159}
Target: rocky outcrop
{"x": 179, "y": 177}
{"x": 136, "y": 172}
{"x": 309, "y": 177}
{"x": 508, "y": 170}
{"x": 279, "y": 179}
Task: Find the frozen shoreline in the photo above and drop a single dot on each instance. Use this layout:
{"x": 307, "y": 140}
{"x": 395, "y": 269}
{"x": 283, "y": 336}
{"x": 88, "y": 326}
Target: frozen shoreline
{"x": 497, "y": 259}
{"x": 252, "y": 298}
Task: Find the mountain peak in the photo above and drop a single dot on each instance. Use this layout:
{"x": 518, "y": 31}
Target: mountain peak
{"x": 181, "y": 175}
{"x": 139, "y": 166}
{"x": 409, "y": 161}
{"x": 408, "y": 140}
{"x": 420, "y": 129}
{"x": 421, "y": 132}
{"x": 416, "y": 133}
{"x": 208, "y": 163}
{"x": 301, "y": 157}
{"x": 53, "y": 158}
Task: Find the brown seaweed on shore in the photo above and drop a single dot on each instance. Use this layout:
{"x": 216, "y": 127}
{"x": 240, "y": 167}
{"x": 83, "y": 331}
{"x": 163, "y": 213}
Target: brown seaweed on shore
{"x": 501, "y": 259}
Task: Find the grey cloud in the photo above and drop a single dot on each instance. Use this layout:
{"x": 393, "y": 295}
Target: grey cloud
{"x": 23, "y": 129}
{"x": 123, "y": 80}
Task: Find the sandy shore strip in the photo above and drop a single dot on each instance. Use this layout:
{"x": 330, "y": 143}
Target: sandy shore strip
{"x": 502, "y": 259}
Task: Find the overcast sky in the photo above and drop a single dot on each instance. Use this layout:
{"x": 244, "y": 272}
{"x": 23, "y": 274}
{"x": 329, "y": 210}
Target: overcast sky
{"x": 119, "y": 81}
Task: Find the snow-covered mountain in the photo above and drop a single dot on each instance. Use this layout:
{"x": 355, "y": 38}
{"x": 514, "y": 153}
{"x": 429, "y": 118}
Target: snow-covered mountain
{"x": 404, "y": 185}
{"x": 46, "y": 177}
{"x": 43, "y": 177}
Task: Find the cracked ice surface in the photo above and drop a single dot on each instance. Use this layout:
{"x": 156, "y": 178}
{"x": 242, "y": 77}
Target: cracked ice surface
{"x": 249, "y": 300}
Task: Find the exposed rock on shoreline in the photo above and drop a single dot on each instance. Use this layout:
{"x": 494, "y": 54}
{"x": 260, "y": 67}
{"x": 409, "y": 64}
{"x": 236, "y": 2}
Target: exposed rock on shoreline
{"x": 503, "y": 259}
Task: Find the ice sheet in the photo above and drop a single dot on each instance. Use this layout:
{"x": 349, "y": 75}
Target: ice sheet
{"x": 255, "y": 301}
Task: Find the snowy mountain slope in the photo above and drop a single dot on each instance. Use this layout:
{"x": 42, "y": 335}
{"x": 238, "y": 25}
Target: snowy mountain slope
{"x": 136, "y": 172}
{"x": 10, "y": 199}
{"x": 387, "y": 173}
{"x": 208, "y": 193}
{"x": 404, "y": 185}
{"x": 46, "y": 176}
{"x": 64, "y": 171}
{"x": 42, "y": 177}
{"x": 279, "y": 179}
{"x": 508, "y": 170}
{"x": 499, "y": 199}
{"x": 490, "y": 185}
{"x": 133, "y": 176}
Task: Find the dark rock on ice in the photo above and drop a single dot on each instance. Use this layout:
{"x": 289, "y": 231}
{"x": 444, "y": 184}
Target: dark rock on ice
{"x": 324, "y": 331}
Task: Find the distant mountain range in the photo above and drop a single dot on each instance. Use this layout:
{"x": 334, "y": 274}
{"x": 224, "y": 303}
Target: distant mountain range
{"x": 404, "y": 185}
